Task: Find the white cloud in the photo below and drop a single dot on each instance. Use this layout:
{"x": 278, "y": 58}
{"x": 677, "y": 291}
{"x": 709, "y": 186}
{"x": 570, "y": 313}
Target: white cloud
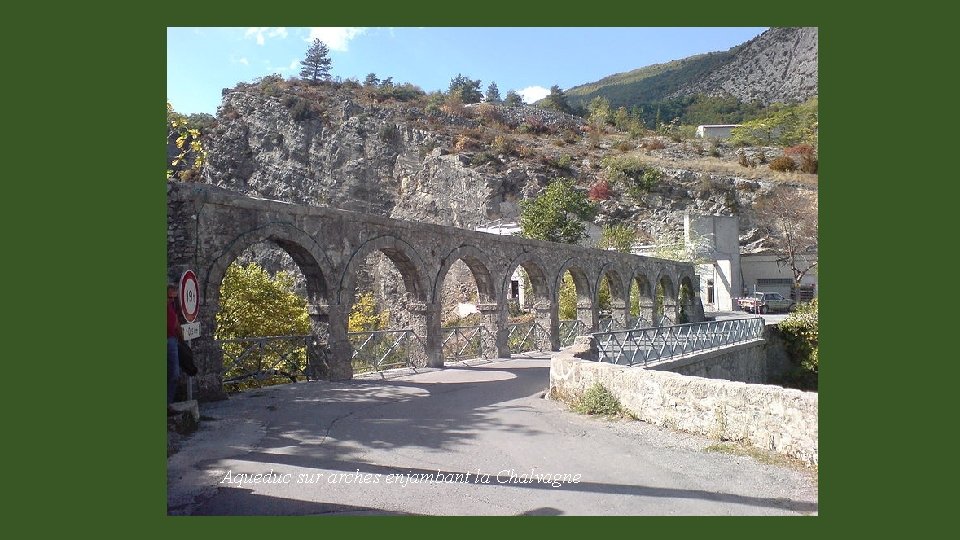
{"x": 241, "y": 60}
{"x": 337, "y": 39}
{"x": 261, "y": 33}
{"x": 531, "y": 94}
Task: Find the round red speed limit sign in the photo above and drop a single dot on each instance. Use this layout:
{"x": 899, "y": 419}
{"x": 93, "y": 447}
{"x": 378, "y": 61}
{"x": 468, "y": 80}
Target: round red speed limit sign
{"x": 189, "y": 295}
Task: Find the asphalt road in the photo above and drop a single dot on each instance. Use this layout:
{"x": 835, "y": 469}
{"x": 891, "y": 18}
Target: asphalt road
{"x": 465, "y": 440}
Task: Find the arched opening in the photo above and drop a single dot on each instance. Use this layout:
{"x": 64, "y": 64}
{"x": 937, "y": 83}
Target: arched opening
{"x": 665, "y": 303}
{"x": 386, "y": 298}
{"x": 641, "y": 302}
{"x": 529, "y": 308}
{"x": 576, "y": 308}
{"x": 469, "y": 313}
{"x": 265, "y": 322}
{"x": 686, "y": 298}
{"x": 611, "y": 302}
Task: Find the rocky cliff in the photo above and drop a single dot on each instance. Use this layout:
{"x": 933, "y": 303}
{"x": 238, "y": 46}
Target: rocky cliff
{"x": 466, "y": 168}
{"x": 779, "y": 65}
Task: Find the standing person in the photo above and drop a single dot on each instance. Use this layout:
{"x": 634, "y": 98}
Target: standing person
{"x": 173, "y": 336}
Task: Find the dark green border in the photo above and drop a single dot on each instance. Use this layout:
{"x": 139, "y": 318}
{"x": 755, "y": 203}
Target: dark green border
{"x": 93, "y": 248}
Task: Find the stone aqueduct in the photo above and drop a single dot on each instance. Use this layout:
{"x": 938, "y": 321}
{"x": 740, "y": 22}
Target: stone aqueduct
{"x": 209, "y": 227}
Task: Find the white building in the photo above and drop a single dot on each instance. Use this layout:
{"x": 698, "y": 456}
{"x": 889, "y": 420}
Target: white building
{"x": 726, "y": 274}
{"x": 762, "y": 272}
{"x": 715, "y": 131}
{"x": 715, "y": 240}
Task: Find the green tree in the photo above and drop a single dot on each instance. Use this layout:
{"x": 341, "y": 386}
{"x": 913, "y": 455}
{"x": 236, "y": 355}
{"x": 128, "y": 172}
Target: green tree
{"x": 801, "y": 330}
{"x": 619, "y": 237}
{"x": 201, "y": 121}
{"x": 557, "y": 100}
{"x": 513, "y": 99}
{"x": 371, "y": 80}
{"x": 782, "y": 125}
{"x": 254, "y": 304}
{"x": 557, "y": 215}
{"x": 469, "y": 89}
{"x": 567, "y": 298}
{"x": 316, "y": 65}
{"x": 599, "y": 111}
{"x": 493, "y": 93}
{"x": 621, "y": 119}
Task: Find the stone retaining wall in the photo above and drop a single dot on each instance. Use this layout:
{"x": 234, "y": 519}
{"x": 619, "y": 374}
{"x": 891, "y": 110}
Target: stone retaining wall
{"x": 768, "y": 417}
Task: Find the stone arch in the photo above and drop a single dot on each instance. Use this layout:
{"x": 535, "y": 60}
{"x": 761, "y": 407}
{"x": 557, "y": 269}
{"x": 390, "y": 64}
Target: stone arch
{"x": 302, "y": 248}
{"x": 312, "y": 262}
{"x": 686, "y": 300}
{"x": 618, "y": 293}
{"x": 644, "y": 286}
{"x": 536, "y": 273}
{"x": 404, "y": 256}
{"x": 544, "y": 308}
{"x": 587, "y": 309}
{"x": 665, "y": 288}
{"x": 479, "y": 266}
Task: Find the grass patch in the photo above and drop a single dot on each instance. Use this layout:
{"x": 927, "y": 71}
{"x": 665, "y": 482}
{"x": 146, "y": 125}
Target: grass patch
{"x": 598, "y": 401}
{"x": 762, "y": 456}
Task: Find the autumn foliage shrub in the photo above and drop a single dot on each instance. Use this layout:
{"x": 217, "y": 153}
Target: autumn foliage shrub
{"x": 806, "y": 155}
{"x": 783, "y": 164}
{"x": 599, "y": 191}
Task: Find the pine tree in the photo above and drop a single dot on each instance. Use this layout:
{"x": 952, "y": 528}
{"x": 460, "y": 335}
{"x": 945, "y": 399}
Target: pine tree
{"x": 493, "y": 93}
{"x": 317, "y": 63}
{"x": 468, "y": 88}
{"x": 557, "y": 100}
{"x": 513, "y": 99}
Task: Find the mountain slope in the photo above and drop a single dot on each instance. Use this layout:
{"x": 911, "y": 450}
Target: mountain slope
{"x": 779, "y": 65}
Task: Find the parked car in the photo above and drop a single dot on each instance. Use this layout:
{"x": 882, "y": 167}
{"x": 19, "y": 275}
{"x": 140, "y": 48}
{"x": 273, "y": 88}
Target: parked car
{"x": 764, "y": 302}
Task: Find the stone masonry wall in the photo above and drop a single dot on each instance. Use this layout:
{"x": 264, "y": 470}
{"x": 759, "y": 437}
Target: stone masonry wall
{"x": 745, "y": 362}
{"x": 768, "y": 417}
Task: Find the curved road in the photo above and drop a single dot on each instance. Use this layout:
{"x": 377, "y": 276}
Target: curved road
{"x": 465, "y": 440}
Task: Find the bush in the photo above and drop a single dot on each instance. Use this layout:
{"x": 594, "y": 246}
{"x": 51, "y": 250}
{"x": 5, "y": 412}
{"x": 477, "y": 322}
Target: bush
{"x": 807, "y": 156}
{"x": 597, "y": 400}
{"x": 503, "y": 145}
{"x": 301, "y": 110}
{"x": 389, "y": 133}
{"x": 599, "y": 191}
{"x": 489, "y": 114}
{"x": 532, "y": 124}
{"x": 783, "y": 164}
{"x": 801, "y": 331}
{"x": 654, "y": 144}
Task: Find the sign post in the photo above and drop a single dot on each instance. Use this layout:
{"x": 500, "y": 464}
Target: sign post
{"x": 190, "y": 306}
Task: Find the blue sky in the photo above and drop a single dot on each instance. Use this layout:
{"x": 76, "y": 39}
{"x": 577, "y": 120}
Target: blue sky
{"x": 202, "y": 61}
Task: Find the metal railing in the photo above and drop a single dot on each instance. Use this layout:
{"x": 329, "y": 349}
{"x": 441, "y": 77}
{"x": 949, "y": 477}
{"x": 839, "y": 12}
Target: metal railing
{"x": 612, "y": 325}
{"x": 378, "y": 350}
{"x": 570, "y": 329}
{"x": 528, "y": 336}
{"x": 260, "y": 361}
{"x": 463, "y": 342}
{"x": 646, "y": 345}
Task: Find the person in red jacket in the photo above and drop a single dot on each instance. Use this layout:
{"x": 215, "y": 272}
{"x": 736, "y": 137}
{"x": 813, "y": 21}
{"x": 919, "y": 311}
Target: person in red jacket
{"x": 173, "y": 336}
